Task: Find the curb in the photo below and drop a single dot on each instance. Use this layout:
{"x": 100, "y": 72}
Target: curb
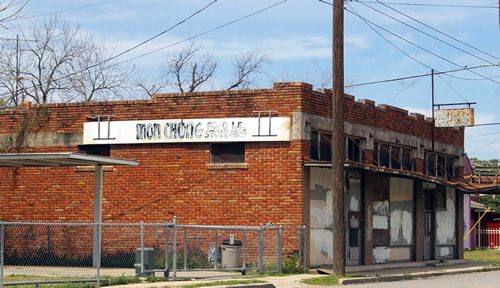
{"x": 420, "y": 275}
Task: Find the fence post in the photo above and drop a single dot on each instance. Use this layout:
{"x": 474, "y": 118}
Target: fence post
{"x": 142, "y": 248}
{"x": 99, "y": 248}
{"x": 216, "y": 252}
{"x": 2, "y": 231}
{"x": 280, "y": 244}
{"x": 244, "y": 250}
{"x": 261, "y": 248}
{"x": 167, "y": 236}
{"x": 174, "y": 257}
{"x": 304, "y": 248}
{"x": 185, "y": 249}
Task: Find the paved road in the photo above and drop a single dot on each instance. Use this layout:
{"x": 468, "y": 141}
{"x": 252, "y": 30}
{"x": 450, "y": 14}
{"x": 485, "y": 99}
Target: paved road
{"x": 480, "y": 280}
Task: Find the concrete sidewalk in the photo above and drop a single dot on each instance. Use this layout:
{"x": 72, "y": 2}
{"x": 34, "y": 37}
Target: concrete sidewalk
{"x": 372, "y": 274}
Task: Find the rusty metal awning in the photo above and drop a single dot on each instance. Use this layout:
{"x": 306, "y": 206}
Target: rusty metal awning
{"x": 59, "y": 160}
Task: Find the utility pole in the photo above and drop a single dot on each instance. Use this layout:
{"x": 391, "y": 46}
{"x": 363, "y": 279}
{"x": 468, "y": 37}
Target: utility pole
{"x": 433, "y": 105}
{"x": 339, "y": 241}
{"x": 18, "y": 69}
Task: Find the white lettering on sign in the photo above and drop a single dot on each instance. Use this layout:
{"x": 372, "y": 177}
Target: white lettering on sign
{"x": 188, "y": 130}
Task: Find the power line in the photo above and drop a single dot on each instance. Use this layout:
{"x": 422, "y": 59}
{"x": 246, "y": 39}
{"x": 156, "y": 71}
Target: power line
{"x": 173, "y": 44}
{"x": 64, "y": 10}
{"x": 422, "y": 48}
{"x": 420, "y": 75}
{"x": 438, "y": 31}
{"x": 452, "y": 88}
{"x": 206, "y": 32}
{"x": 159, "y": 34}
{"x": 482, "y": 135}
{"x": 477, "y": 150}
{"x": 425, "y": 33}
{"x": 404, "y": 90}
{"x": 428, "y": 5}
{"x": 387, "y": 40}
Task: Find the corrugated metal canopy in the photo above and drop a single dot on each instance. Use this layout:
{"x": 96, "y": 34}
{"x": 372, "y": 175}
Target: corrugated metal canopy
{"x": 59, "y": 160}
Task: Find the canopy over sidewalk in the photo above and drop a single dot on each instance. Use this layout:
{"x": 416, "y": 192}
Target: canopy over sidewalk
{"x": 68, "y": 159}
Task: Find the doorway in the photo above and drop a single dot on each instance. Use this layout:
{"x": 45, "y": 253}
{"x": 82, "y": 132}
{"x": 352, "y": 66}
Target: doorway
{"x": 430, "y": 220}
{"x": 354, "y": 205}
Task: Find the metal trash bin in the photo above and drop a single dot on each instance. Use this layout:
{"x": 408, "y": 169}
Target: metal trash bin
{"x": 149, "y": 261}
{"x": 231, "y": 253}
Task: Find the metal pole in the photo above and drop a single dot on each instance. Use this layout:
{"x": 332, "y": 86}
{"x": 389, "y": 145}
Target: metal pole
{"x": 185, "y": 249}
{"x": 280, "y": 262}
{"x": 174, "y": 257}
{"x": 261, "y": 248}
{"x": 339, "y": 250}
{"x": 97, "y": 211}
{"x": 244, "y": 249}
{"x": 2, "y": 231}
{"x": 433, "y": 105}
{"x": 18, "y": 69}
{"x": 99, "y": 227}
{"x": 142, "y": 248}
{"x": 216, "y": 251}
{"x": 167, "y": 236}
{"x": 304, "y": 249}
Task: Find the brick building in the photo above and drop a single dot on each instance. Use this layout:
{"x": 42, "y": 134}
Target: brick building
{"x": 213, "y": 158}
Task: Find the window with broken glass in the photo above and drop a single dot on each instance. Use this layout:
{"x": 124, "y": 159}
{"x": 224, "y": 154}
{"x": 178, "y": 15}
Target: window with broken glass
{"x": 439, "y": 165}
{"x": 321, "y": 149}
{"x": 393, "y": 156}
{"x": 353, "y": 149}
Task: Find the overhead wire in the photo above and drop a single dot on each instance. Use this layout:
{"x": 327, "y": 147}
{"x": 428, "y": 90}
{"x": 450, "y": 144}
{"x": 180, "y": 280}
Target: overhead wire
{"x": 420, "y": 75}
{"x": 437, "y": 30}
{"x": 418, "y": 46}
{"x": 425, "y": 33}
{"x": 404, "y": 90}
{"x": 173, "y": 44}
{"x": 453, "y": 88}
{"x": 428, "y": 4}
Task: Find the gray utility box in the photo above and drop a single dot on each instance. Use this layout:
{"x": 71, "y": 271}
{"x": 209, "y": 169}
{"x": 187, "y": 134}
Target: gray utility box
{"x": 149, "y": 261}
{"x": 231, "y": 254}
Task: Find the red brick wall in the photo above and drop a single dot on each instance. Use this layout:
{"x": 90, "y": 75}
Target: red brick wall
{"x": 175, "y": 179}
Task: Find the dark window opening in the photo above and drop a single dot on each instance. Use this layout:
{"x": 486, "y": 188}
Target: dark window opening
{"x": 407, "y": 160}
{"x": 450, "y": 168}
{"x": 227, "y": 153}
{"x": 376, "y": 148}
{"x": 441, "y": 166}
{"x": 353, "y": 149}
{"x": 321, "y": 146}
{"x": 98, "y": 150}
{"x": 441, "y": 197}
{"x": 385, "y": 156}
{"x": 430, "y": 164}
{"x": 396, "y": 157}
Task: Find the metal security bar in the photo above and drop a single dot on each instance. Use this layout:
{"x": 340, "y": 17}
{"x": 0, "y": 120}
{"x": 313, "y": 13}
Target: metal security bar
{"x": 52, "y": 253}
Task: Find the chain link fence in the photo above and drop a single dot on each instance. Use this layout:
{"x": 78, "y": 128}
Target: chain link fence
{"x": 47, "y": 253}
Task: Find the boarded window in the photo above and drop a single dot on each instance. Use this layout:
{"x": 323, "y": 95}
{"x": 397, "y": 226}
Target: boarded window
{"x": 401, "y": 208}
{"x": 227, "y": 153}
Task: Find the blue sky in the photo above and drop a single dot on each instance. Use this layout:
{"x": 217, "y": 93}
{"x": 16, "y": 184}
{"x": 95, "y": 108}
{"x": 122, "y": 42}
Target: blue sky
{"x": 295, "y": 36}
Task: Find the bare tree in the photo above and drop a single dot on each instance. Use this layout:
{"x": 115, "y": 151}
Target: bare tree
{"x": 96, "y": 78}
{"x": 10, "y": 9}
{"x": 188, "y": 69}
{"x": 246, "y": 67}
{"x": 150, "y": 88}
{"x": 61, "y": 65}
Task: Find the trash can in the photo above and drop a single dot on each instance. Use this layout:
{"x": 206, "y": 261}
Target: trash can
{"x": 149, "y": 261}
{"x": 231, "y": 253}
